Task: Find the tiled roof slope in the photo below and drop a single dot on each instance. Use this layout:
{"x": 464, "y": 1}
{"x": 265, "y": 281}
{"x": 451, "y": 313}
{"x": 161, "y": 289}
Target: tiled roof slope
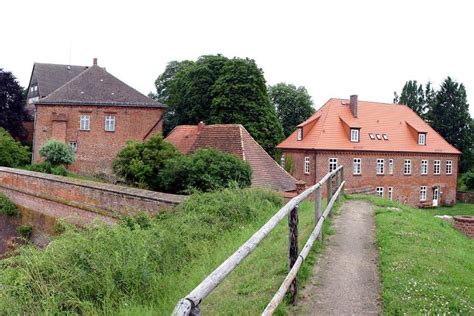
{"x": 234, "y": 139}
{"x": 49, "y": 77}
{"x": 398, "y": 122}
{"x": 95, "y": 86}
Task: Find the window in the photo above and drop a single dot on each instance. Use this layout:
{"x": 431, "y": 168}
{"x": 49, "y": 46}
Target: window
{"x": 380, "y": 166}
{"x": 32, "y": 100}
{"x": 421, "y": 138}
{"x": 379, "y": 191}
{"x": 85, "y": 123}
{"x": 356, "y": 166}
{"x": 306, "y": 165}
{"x": 299, "y": 135}
{"x": 424, "y": 167}
{"x": 372, "y": 136}
{"x": 73, "y": 145}
{"x": 282, "y": 161}
{"x": 407, "y": 167}
{"x": 384, "y": 136}
{"x": 390, "y": 193}
{"x": 32, "y": 89}
{"x": 422, "y": 193}
{"x": 437, "y": 167}
{"x": 110, "y": 123}
{"x": 378, "y": 136}
{"x": 390, "y": 166}
{"x": 354, "y": 135}
{"x": 449, "y": 167}
{"x": 332, "y": 164}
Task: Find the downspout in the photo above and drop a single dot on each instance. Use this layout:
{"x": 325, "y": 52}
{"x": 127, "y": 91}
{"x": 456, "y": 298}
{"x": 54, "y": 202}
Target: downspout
{"x": 34, "y": 136}
{"x": 315, "y": 169}
{"x": 154, "y": 126}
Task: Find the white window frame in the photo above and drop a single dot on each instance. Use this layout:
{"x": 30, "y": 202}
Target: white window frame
{"x": 282, "y": 161}
{"x": 73, "y": 145}
{"x": 85, "y": 122}
{"x": 109, "y": 123}
{"x": 390, "y": 166}
{"x": 423, "y": 193}
{"x": 307, "y": 165}
{"x": 379, "y": 191}
{"x": 299, "y": 133}
{"x": 332, "y": 164}
{"x": 390, "y": 193}
{"x": 424, "y": 167}
{"x": 422, "y": 139}
{"x": 437, "y": 167}
{"x": 380, "y": 167}
{"x": 407, "y": 167}
{"x": 356, "y": 166}
{"x": 449, "y": 167}
{"x": 355, "y": 133}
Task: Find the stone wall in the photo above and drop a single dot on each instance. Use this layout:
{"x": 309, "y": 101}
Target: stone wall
{"x": 465, "y": 224}
{"x": 465, "y": 197}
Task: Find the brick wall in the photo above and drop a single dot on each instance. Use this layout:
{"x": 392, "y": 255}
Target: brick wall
{"x": 96, "y": 148}
{"x": 465, "y": 197}
{"x": 406, "y": 188}
{"x": 465, "y": 224}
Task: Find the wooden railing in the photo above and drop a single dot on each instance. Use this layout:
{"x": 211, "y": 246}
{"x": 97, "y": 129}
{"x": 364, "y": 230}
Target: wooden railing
{"x": 335, "y": 185}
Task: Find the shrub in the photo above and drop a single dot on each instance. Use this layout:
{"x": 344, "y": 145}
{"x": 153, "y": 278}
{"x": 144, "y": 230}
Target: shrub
{"x": 57, "y": 153}
{"x": 12, "y": 153}
{"x": 7, "y": 207}
{"x": 140, "y": 163}
{"x": 205, "y": 170}
{"x": 47, "y": 167}
{"x": 25, "y": 231}
{"x": 469, "y": 180}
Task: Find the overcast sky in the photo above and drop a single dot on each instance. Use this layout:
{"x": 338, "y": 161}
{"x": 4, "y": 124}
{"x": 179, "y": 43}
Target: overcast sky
{"x": 333, "y": 48}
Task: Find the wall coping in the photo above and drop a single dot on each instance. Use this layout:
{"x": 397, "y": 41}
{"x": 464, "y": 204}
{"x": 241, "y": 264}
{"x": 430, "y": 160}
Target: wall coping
{"x": 464, "y": 218}
{"x": 132, "y": 192}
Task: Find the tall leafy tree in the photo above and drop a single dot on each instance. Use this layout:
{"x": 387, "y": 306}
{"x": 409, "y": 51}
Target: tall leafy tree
{"x": 449, "y": 116}
{"x": 415, "y": 97}
{"x": 293, "y": 105}
{"x": 12, "y": 105}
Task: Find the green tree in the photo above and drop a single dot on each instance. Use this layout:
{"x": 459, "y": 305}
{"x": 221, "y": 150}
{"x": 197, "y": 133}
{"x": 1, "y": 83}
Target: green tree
{"x": 449, "y": 116}
{"x": 12, "y": 153}
{"x": 415, "y": 97}
{"x": 293, "y": 105}
{"x": 57, "y": 153}
{"x": 12, "y": 105}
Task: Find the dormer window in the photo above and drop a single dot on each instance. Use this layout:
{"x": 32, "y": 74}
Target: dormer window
{"x": 355, "y": 135}
{"x": 372, "y": 136}
{"x": 422, "y": 139}
{"x": 299, "y": 135}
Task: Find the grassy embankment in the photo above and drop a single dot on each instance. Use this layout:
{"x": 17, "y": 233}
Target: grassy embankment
{"x": 143, "y": 267}
{"x": 427, "y": 267}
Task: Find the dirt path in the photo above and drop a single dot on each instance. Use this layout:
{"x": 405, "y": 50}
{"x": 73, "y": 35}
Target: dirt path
{"x": 345, "y": 279}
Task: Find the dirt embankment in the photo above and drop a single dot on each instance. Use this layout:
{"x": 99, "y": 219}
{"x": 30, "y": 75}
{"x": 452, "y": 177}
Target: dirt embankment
{"x": 8, "y": 227}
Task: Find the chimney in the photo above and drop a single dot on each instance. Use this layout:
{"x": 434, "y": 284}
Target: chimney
{"x": 201, "y": 126}
{"x": 94, "y": 62}
{"x": 353, "y": 105}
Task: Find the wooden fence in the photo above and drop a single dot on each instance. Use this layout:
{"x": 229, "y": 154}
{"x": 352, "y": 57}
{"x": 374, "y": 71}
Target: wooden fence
{"x": 335, "y": 186}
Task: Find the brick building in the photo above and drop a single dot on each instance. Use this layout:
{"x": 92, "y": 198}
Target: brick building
{"x": 234, "y": 139}
{"x": 384, "y": 148}
{"x": 95, "y": 113}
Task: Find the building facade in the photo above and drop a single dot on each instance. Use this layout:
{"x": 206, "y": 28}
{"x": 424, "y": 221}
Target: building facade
{"x": 384, "y": 148}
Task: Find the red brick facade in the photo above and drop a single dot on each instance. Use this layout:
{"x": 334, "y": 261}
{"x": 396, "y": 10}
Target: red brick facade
{"x": 405, "y": 188}
{"x": 465, "y": 224}
{"x": 96, "y": 148}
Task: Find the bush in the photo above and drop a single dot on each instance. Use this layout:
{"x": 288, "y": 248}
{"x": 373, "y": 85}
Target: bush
{"x": 205, "y": 170}
{"x": 12, "y": 153}
{"x": 469, "y": 180}
{"x": 25, "y": 231}
{"x": 7, "y": 207}
{"x": 57, "y": 153}
{"x": 47, "y": 167}
{"x": 140, "y": 163}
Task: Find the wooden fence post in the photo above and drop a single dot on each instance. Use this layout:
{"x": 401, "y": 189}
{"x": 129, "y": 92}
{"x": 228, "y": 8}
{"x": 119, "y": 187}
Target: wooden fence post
{"x": 317, "y": 208}
{"x": 329, "y": 189}
{"x": 293, "y": 250}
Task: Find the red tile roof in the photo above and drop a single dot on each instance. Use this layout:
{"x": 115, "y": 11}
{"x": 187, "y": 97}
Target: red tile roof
{"x": 328, "y": 129}
{"x": 234, "y": 139}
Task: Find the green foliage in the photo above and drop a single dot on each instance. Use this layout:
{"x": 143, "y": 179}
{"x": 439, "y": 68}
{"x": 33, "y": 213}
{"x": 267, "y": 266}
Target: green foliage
{"x": 12, "y": 153}
{"x": 25, "y": 231}
{"x": 47, "y": 167}
{"x": 205, "y": 170}
{"x": 104, "y": 270}
{"x": 417, "y": 98}
{"x": 293, "y": 105}
{"x": 215, "y": 89}
{"x": 12, "y": 105}
{"x": 468, "y": 180}
{"x": 7, "y": 207}
{"x": 57, "y": 153}
{"x": 140, "y": 163}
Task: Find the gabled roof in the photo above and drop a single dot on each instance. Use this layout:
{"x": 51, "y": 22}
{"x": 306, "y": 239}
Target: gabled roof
{"x": 234, "y": 139}
{"x": 95, "y": 86}
{"x": 398, "y": 122}
{"x": 49, "y": 77}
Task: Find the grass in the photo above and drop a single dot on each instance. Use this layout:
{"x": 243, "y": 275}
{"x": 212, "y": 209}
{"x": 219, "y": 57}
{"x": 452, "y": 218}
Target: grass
{"x": 143, "y": 266}
{"x": 427, "y": 267}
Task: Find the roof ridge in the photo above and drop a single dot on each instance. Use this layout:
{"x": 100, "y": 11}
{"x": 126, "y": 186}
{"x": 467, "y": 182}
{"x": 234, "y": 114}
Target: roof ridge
{"x": 242, "y": 142}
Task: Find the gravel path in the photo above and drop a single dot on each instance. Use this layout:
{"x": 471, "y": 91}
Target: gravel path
{"x": 345, "y": 279}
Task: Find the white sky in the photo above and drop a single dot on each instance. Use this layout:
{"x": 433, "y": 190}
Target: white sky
{"x": 333, "y": 48}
